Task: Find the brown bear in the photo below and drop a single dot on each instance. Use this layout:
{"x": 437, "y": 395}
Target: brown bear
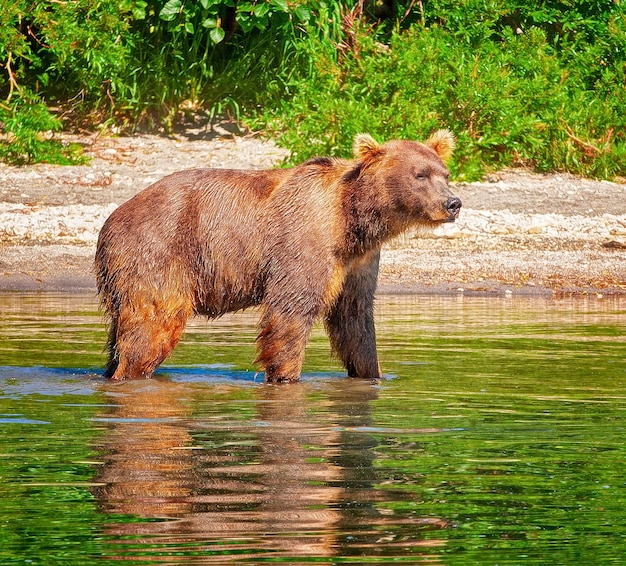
{"x": 303, "y": 243}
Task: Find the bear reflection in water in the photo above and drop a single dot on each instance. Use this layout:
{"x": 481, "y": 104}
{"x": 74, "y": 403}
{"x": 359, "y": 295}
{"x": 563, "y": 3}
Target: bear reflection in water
{"x": 303, "y": 243}
{"x": 294, "y": 477}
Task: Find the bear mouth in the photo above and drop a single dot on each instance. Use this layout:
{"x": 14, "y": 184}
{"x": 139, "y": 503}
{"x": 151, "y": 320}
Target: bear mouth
{"x": 434, "y": 222}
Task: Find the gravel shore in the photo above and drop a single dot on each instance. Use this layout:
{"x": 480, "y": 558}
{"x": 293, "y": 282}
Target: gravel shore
{"x": 518, "y": 232}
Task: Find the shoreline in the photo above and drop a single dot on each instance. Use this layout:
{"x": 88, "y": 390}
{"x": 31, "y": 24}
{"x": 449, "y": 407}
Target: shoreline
{"x": 519, "y": 232}
{"x": 68, "y": 268}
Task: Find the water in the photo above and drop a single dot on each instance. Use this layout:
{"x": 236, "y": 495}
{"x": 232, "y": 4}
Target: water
{"x": 497, "y": 437}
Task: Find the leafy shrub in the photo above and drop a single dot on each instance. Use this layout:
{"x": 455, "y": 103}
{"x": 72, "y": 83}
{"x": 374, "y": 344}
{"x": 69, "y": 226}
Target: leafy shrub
{"x": 536, "y": 83}
{"x": 24, "y": 121}
{"x": 252, "y": 56}
{"x": 513, "y": 97}
{"x": 67, "y": 53}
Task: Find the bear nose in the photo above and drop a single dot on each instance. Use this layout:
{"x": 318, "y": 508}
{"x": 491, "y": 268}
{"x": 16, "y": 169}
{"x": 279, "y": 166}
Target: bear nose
{"x": 453, "y": 205}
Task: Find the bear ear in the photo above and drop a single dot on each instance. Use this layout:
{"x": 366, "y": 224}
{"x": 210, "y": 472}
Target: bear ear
{"x": 443, "y": 142}
{"x": 365, "y": 146}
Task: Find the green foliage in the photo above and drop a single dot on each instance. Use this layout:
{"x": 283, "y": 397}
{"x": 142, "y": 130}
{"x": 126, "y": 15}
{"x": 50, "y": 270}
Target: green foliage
{"x": 536, "y": 83}
{"x": 28, "y": 128}
{"x": 512, "y": 97}
{"x": 69, "y": 53}
{"x": 182, "y": 57}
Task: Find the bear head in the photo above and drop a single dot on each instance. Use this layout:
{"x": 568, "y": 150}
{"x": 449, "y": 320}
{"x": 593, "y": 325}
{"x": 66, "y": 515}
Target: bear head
{"x": 412, "y": 176}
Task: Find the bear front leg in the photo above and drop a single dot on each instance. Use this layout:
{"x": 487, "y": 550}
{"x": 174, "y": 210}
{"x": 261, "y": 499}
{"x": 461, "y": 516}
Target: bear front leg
{"x": 281, "y": 344}
{"x": 350, "y": 322}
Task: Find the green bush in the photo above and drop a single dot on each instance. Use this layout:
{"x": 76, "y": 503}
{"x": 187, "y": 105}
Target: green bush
{"x": 537, "y": 83}
{"x": 513, "y": 95}
{"x": 27, "y": 126}
{"x": 67, "y": 55}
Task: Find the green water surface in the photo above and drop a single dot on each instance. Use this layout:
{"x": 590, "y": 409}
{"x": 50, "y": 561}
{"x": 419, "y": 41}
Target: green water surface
{"x": 497, "y": 437}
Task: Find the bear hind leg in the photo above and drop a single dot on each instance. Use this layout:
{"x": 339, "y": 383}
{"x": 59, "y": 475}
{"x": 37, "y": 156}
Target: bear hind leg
{"x": 141, "y": 337}
{"x": 111, "y": 346}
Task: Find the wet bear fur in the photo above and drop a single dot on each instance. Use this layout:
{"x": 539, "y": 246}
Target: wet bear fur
{"x": 302, "y": 244}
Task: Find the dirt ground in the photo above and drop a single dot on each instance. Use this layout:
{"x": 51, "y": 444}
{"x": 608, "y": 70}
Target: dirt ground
{"x": 518, "y": 232}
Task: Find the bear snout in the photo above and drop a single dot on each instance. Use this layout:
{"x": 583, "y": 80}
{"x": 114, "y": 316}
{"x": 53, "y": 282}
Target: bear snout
{"x": 453, "y": 206}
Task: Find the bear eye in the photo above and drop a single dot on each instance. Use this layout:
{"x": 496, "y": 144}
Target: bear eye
{"x": 421, "y": 176}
